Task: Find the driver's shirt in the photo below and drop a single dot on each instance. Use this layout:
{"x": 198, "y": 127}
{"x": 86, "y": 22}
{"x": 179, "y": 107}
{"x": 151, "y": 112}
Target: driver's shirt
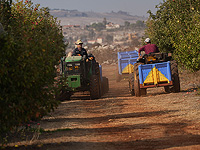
{"x": 76, "y": 52}
{"x": 149, "y": 48}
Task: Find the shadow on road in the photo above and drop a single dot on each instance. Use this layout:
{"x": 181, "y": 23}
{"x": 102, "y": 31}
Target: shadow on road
{"x": 107, "y": 117}
{"x": 179, "y": 139}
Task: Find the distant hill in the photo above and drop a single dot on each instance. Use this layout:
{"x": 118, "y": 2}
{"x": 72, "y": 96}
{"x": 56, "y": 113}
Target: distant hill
{"x": 85, "y": 18}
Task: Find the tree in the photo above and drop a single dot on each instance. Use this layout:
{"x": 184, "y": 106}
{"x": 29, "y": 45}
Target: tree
{"x": 30, "y": 49}
{"x": 98, "y": 26}
{"x": 127, "y": 24}
{"x": 175, "y": 28}
{"x": 104, "y": 21}
{"x": 140, "y": 23}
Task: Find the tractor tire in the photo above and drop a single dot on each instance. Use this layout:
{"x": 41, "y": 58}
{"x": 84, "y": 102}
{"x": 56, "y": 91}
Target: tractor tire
{"x": 136, "y": 86}
{"x": 97, "y": 72}
{"x": 143, "y": 91}
{"x": 95, "y": 92}
{"x": 63, "y": 95}
{"x": 175, "y": 77}
{"x": 167, "y": 89}
{"x": 137, "y": 89}
{"x": 131, "y": 84}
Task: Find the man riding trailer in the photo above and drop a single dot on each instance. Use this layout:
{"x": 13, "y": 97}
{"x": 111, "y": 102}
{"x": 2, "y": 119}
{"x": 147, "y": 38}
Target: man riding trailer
{"x": 153, "y": 70}
{"x": 148, "y": 48}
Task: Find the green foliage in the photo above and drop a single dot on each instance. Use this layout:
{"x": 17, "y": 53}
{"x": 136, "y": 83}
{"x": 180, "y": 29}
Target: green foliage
{"x": 127, "y": 24}
{"x": 175, "y": 28}
{"x": 138, "y": 25}
{"x": 98, "y": 26}
{"x": 30, "y": 48}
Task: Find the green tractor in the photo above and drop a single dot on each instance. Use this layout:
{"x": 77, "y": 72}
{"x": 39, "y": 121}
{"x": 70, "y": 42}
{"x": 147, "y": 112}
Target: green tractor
{"x": 79, "y": 74}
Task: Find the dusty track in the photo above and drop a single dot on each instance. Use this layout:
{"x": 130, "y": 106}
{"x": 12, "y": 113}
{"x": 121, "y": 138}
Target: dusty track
{"x": 119, "y": 121}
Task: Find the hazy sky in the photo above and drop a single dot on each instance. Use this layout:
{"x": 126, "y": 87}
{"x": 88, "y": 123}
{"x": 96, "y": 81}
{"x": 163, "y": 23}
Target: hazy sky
{"x": 133, "y": 7}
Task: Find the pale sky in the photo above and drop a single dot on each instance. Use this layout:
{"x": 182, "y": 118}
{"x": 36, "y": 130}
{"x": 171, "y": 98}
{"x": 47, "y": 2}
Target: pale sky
{"x": 133, "y": 7}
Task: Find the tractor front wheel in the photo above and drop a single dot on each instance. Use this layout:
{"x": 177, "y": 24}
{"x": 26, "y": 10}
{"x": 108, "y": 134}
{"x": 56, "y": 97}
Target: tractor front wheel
{"x": 64, "y": 95}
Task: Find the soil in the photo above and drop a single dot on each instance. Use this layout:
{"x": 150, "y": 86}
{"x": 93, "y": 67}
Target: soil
{"x": 119, "y": 121}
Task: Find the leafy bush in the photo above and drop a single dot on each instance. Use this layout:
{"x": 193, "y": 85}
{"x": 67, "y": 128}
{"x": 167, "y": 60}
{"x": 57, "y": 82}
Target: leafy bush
{"x": 175, "y": 28}
{"x": 31, "y": 46}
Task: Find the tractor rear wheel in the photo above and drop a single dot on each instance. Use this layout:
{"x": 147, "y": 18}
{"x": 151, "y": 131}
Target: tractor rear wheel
{"x": 135, "y": 77}
{"x": 167, "y": 89}
{"x": 95, "y": 87}
{"x": 137, "y": 89}
{"x": 175, "y": 77}
{"x": 98, "y": 73}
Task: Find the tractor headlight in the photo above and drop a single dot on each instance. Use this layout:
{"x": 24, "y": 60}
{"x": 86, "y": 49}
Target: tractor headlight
{"x": 77, "y": 65}
{"x": 69, "y": 67}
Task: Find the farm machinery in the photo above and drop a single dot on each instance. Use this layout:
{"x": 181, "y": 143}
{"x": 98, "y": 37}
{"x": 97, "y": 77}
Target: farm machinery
{"x": 126, "y": 61}
{"x": 154, "y": 70}
{"x": 81, "y": 74}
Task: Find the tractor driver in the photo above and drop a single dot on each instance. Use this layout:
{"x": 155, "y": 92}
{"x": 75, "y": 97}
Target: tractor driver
{"x": 148, "y": 48}
{"x": 79, "y": 51}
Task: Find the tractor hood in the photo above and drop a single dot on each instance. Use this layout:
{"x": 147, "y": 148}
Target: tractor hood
{"x": 73, "y": 59}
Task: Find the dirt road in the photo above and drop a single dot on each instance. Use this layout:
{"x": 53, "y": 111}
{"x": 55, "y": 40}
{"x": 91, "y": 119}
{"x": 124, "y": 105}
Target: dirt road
{"x": 119, "y": 121}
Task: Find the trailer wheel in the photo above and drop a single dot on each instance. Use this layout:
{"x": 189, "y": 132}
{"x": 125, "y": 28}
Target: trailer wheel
{"x": 131, "y": 84}
{"x": 95, "y": 87}
{"x": 136, "y": 86}
{"x": 175, "y": 77}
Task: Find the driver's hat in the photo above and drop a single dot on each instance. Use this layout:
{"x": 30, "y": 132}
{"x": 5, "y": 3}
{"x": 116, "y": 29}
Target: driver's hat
{"x": 78, "y": 42}
{"x": 148, "y": 40}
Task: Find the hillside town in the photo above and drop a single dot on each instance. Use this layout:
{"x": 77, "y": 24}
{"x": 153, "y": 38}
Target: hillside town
{"x": 105, "y": 35}
{"x": 115, "y": 29}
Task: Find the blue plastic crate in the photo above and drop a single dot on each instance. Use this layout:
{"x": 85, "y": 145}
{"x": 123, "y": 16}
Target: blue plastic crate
{"x": 126, "y": 60}
{"x": 155, "y": 73}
